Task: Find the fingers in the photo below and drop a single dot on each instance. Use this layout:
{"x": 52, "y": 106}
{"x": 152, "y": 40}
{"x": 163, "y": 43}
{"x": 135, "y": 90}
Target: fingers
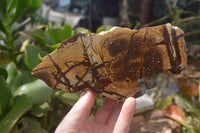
{"x": 123, "y": 122}
{"x": 105, "y": 111}
{"x": 83, "y": 106}
{"x": 79, "y": 112}
{"x": 113, "y": 118}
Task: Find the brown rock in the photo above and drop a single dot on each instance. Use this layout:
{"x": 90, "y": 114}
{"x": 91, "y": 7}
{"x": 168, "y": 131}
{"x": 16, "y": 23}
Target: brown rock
{"x": 157, "y": 114}
{"x": 157, "y": 123}
{"x": 117, "y": 64}
{"x": 138, "y": 119}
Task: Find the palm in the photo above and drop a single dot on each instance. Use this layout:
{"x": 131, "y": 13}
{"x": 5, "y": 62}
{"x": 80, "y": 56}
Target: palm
{"x": 111, "y": 117}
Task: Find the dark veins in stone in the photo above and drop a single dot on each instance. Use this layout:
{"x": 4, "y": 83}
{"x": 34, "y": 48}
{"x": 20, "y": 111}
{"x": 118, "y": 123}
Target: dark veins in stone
{"x": 117, "y": 46}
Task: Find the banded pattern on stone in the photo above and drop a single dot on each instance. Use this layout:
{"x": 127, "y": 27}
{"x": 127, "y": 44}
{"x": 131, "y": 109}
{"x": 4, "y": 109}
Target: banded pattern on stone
{"x": 117, "y": 64}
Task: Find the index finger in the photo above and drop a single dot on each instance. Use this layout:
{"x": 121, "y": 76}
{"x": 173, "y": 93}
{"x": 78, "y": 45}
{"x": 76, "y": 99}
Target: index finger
{"x": 82, "y": 107}
{"x": 80, "y": 111}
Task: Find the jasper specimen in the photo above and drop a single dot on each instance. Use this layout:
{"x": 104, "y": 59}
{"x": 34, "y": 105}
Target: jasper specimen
{"x": 118, "y": 63}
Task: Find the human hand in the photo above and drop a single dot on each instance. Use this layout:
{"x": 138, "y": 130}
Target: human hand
{"x": 112, "y": 117}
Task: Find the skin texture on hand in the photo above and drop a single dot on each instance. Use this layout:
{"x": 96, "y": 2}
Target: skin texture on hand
{"x": 112, "y": 117}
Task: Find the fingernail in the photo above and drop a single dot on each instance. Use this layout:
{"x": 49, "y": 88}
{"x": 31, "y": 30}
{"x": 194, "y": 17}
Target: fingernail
{"x": 82, "y": 94}
{"x": 131, "y": 101}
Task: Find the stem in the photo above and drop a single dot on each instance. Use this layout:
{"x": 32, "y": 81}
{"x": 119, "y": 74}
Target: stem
{"x": 189, "y": 19}
{"x": 171, "y": 12}
{"x": 9, "y": 39}
{"x": 157, "y": 21}
{"x": 190, "y": 3}
{"x": 192, "y": 33}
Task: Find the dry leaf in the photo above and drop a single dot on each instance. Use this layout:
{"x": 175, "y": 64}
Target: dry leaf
{"x": 175, "y": 113}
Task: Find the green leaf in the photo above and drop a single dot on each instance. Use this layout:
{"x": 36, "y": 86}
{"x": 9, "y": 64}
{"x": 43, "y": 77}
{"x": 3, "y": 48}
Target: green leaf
{"x": 3, "y": 6}
{"x": 40, "y": 39}
{"x": 3, "y": 72}
{"x": 162, "y": 103}
{"x": 25, "y": 7}
{"x": 38, "y": 91}
{"x": 82, "y": 30}
{"x": 67, "y": 98}
{"x": 12, "y": 4}
{"x": 103, "y": 28}
{"x": 39, "y": 36}
{"x": 192, "y": 108}
{"x": 21, "y": 107}
{"x": 38, "y": 31}
{"x": 40, "y": 110}
{"x": 27, "y": 77}
{"x": 52, "y": 47}
{"x": 17, "y": 81}
{"x": 14, "y": 77}
{"x": 12, "y": 71}
{"x": 32, "y": 56}
{"x": 5, "y": 95}
{"x": 59, "y": 34}
{"x": 30, "y": 125}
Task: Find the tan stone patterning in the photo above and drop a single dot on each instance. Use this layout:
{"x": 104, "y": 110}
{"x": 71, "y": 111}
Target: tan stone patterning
{"x": 117, "y": 64}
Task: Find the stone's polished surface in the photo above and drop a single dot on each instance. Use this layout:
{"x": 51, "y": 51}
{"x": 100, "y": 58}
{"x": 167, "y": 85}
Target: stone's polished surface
{"x": 117, "y": 64}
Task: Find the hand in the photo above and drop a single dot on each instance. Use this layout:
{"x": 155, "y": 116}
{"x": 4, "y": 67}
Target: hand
{"x": 112, "y": 117}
